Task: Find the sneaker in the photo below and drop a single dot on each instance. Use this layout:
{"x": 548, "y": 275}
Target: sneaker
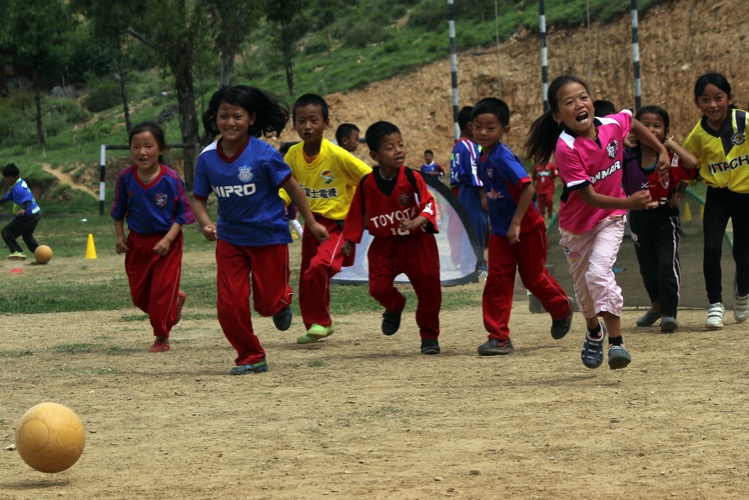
{"x": 715, "y": 316}
{"x": 161, "y": 344}
{"x": 181, "y": 297}
{"x": 619, "y": 357}
{"x": 493, "y": 347}
{"x": 648, "y": 319}
{"x": 741, "y": 308}
{"x": 16, "y": 256}
{"x": 391, "y": 322}
{"x": 560, "y": 327}
{"x": 430, "y": 346}
{"x": 259, "y": 367}
{"x": 592, "y": 353}
{"x": 669, "y": 324}
{"x": 282, "y": 319}
{"x": 315, "y": 333}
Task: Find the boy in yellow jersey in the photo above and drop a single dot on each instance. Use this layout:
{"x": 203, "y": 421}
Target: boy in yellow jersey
{"x": 328, "y": 175}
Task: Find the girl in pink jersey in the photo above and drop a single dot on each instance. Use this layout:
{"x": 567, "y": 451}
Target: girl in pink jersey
{"x": 588, "y": 153}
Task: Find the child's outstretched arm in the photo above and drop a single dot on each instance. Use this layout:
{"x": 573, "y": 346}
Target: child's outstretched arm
{"x": 646, "y": 137}
{"x": 524, "y": 201}
{"x": 636, "y": 201}
{"x": 688, "y": 160}
{"x": 200, "y": 209}
{"x": 296, "y": 194}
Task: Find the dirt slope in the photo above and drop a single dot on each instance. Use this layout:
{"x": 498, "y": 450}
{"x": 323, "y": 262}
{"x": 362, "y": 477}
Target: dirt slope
{"x": 679, "y": 40}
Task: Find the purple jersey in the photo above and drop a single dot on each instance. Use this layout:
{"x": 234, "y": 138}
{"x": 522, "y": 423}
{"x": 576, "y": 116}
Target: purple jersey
{"x": 598, "y": 162}
{"x": 504, "y": 176}
{"x": 153, "y": 207}
{"x": 250, "y": 210}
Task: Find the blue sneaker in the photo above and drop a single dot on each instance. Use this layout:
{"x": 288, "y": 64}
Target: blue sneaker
{"x": 259, "y": 367}
{"x": 619, "y": 357}
{"x": 592, "y": 353}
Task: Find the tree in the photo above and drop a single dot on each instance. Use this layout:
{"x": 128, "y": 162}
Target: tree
{"x": 289, "y": 19}
{"x": 234, "y": 21}
{"x": 35, "y": 35}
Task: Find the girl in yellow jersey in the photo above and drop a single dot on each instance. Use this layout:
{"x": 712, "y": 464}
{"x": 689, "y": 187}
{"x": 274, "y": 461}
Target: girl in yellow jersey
{"x": 719, "y": 143}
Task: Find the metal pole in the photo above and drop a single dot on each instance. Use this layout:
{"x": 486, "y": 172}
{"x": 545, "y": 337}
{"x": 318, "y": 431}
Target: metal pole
{"x": 636, "y": 56}
{"x": 102, "y": 176}
{"x": 544, "y": 55}
{"x": 453, "y": 66}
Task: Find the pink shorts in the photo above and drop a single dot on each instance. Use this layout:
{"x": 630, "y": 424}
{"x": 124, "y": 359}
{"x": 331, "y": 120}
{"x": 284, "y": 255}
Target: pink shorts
{"x": 591, "y": 256}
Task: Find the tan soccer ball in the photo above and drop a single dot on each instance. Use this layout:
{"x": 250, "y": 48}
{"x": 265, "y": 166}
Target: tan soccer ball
{"x": 50, "y": 437}
{"x": 43, "y": 254}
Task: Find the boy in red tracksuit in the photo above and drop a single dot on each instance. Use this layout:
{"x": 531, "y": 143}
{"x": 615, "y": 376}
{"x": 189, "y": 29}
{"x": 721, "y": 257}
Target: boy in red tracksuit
{"x": 543, "y": 175}
{"x": 398, "y": 210}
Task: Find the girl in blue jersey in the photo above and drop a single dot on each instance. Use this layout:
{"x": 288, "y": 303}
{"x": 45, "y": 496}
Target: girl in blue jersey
{"x": 719, "y": 143}
{"x": 252, "y": 232}
{"x": 151, "y": 197}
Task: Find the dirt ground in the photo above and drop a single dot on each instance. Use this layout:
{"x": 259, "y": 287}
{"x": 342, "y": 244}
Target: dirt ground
{"x": 361, "y": 415}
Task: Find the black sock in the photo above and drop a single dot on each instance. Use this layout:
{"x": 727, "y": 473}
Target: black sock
{"x": 595, "y": 332}
{"x": 616, "y": 340}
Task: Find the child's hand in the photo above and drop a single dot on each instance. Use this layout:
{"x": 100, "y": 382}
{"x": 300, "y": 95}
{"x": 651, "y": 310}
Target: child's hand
{"x": 347, "y": 247}
{"x": 641, "y": 200}
{"x": 664, "y": 163}
{"x": 121, "y": 246}
{"x": 409, "y": 225}
{"x": 668, "y": 142}
{"x": 162, "y": 247}
{"x": 675, "y": 200}
{"x": 209, "y": 232}
{"x": 630, "y": 141}
{"x": 513, "y": 234}
{"x": 318, "y": 231}
{"x": 21, "y": 212}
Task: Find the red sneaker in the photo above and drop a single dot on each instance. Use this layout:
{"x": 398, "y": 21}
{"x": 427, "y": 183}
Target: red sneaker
{"x": 181, "y": 297}
{"x": 160, "y": 345}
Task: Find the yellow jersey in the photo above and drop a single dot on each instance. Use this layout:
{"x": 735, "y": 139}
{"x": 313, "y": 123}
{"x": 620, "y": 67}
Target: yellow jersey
{"x": 722, "y": 156}
{"x": 330, "y": 181}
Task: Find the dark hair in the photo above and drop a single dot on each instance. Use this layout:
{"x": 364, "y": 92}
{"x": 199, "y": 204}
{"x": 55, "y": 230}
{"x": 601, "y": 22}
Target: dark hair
{"x": 11, "y": 170}
{"x": 544, "y": 131}
{"x": 344, "y": 131}
{"x": 271, "y": 113}
{"x": 156, "y": 131}
{"x": 429, "y": 152}
{"x": 654, "y": 110}
{"x": 314, "y": 100}
{"x": 377, "y": 131}
{"x": 714, "y": 78}
{"x": 464, "y": 116}
{"x": 285, "y": 147}
{"x": 601, "y": 107}
{"x": 492, "y": 106}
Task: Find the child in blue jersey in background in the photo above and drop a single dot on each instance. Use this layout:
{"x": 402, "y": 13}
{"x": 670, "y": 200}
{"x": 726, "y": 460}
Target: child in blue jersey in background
{"x": 26, "y": 210}
{"x": 151, "y": 197}
{"x": 245, "y": 173}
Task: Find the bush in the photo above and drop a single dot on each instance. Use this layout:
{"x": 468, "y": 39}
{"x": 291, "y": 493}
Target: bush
{"x": 103, "y": 94}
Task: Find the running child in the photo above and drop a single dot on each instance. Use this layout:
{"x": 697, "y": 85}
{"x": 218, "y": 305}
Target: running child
{"x": 543, "y": 176}
{"x": 518, "y": 234}
{"x": 656, "y": 232}
{"x": 588, "y": 153}
{"x": 26, "y": 213}
{"x": 252, "y": 233}
{"x": 394, "y": 205}
{"x": 151, "y": 197}
{"x": 719, "y": 143}
{"x": 328, "y": 175}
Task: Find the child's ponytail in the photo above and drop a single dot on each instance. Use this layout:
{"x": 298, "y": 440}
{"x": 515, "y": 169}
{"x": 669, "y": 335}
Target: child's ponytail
{"x": 542, "y": 138}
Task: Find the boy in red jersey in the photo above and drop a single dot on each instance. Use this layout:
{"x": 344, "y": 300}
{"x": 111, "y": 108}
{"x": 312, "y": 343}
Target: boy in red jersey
{"x": 543, "y": 176}
{"x": 328, "y": 175}
{"x": 398, "y": 210}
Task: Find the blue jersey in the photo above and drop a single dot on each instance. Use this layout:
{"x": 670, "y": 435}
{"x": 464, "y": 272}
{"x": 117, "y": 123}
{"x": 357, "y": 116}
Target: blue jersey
{"x": 20, "y": 195}
{"x": 154, "y": 207}
{"x": 463, "y": 160}
{"x": 250, "y": 210}
{"x": 504, "y": 176}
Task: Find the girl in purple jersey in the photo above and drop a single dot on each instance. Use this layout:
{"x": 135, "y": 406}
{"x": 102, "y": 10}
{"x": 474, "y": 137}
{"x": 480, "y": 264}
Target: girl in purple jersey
{"x": 151, "y": 197}
{"x": 252, "y": 233}
{"x": 588, "y": 153}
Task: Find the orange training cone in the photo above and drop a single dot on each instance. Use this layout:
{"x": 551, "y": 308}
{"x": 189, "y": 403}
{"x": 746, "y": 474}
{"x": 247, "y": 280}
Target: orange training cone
{"x": 90, "y": 248}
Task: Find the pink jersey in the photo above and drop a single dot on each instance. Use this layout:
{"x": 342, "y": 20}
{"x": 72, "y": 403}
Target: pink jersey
{"x": 598, "y": 162}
